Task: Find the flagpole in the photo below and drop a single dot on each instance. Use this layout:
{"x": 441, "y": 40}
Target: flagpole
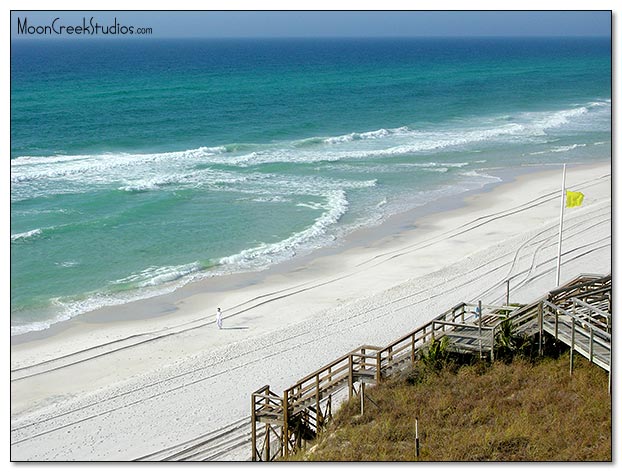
{"x": 561, "y": 224}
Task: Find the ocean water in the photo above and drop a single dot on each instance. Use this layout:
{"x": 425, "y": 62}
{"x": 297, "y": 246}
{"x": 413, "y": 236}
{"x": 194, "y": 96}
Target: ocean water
{"x": 137, "y": 166}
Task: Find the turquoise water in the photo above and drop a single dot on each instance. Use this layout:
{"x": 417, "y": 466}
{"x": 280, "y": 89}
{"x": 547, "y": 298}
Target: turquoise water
{"x": 137, "y": 166}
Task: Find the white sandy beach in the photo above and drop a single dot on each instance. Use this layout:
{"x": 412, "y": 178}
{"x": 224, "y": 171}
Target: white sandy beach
{"x": 96, "y": 390}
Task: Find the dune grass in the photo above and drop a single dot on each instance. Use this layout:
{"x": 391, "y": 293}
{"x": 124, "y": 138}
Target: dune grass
{"x": 517, "y": 411}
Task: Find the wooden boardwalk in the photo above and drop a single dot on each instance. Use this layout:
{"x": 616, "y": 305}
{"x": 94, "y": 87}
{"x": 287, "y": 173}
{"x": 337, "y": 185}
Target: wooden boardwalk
{"x": 577, "y": 314}
{"x": 281, "y": 424}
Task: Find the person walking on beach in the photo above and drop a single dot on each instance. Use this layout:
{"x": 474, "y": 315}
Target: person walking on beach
{"x": 219, "y": 318}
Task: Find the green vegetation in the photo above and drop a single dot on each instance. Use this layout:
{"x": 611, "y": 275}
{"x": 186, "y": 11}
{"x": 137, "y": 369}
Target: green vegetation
{"x": 509, "y": 344}
{"x": 436, "y": 356}
{"x": 519, "y": 410}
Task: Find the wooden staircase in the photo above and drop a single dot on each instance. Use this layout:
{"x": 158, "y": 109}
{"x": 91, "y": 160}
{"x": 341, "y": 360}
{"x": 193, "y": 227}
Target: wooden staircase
{"x": 577, "y": 314}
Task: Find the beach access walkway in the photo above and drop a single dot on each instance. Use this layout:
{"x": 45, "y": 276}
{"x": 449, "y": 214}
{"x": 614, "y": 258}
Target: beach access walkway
{"x": 577, "y": 315}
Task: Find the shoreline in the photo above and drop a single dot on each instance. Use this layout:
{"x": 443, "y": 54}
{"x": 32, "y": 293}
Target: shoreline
{"x": 127, "y": 389}
{"x": 393, "y": 228}
{"x": 367, "y": 236}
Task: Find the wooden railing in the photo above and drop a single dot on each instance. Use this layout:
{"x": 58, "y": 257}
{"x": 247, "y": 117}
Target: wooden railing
{"x": 579, "y": 333}
{"x": 589, "y": 288}
{"x": 592, "y": 314}
{"x": 306, "y": 406}
{"x": 268, "y": 408}
{"x": 345, "y": 370}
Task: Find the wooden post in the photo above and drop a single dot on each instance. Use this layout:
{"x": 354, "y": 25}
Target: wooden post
{"x": 540, "y": 316}
{"x": 417, "y": 437}
{"x": 479, "y": 329}
{"x": 298, "y": 434}
{"x": 608, "y": 311}
{"x": 267, "y": 457}
{"x": 362, "y": 394}
{"x": 571, "y": 345}
{"x": 492, "y": 344}
{"x": 350, "y": 378}
{"x": 507, "y": 292}
{"x": 561, "y": 224}
{"x": 412, "y": 348}
{"x": 479, "y": 315}
{"x": 318, "y": 410}
{"x": 591, "y": 344}
{"x": 285, "y": 438}
{"x": 378, "y": 367}
{"x": 253, "y": 430}
{"x": 607, "y": 318}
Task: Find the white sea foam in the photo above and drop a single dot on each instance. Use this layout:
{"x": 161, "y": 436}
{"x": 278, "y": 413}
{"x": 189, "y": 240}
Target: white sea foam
{"x": 395, "y": 167}
{"x": 144, "y": 185}
{"x": 120, "y": 171}
{"x": 154, "y": 282}
{"x": 312, "y": 206}
{"x": 271, "y": 185}
{"x": 482, "y": 176}
{"x": 154, "y": 276}
{"x": 68, "y": 308}
{"x": 88, "y": 158}
{"x": 567, "y": 148}
{"x": 35, "y": 176}
{"x": 417, "y": 142}
{"x": 266, "y": 254}
{"x": 379, "y": 133}
{"x": 440, "y": 164}
{"x": 104, "y": 168}
{"x": 37, "y": 211}
{"x": 25, "y": 235}
{"x": 600, "y": 103}
{"x": 67, "y": 263}
{"x": 557, "y": 119}
{"x": 558, "y": 149}
{"x": 275, "y": 199}
{"x": 16, "y": 330}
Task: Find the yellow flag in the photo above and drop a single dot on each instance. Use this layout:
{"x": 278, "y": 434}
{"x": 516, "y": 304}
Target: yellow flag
{"x": 573, "y": 199}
